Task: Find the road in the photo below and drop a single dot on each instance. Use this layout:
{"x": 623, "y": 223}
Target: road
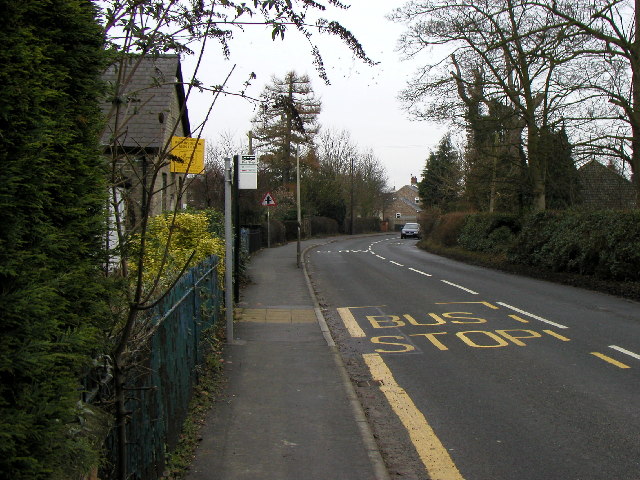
{"x": 493, "y": 376}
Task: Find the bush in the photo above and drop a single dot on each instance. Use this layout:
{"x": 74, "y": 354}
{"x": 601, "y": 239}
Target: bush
{"x": 447, "y": 229}
{"x": 367, "y": 224}
{"x": 428, "y": 221}
{"x": 323, "y": 226}
{"x": 276, "y": 230}
{"x": 605, "y": 244}
{"x": 489, "y": 232}
{"x": 190, "y": 234}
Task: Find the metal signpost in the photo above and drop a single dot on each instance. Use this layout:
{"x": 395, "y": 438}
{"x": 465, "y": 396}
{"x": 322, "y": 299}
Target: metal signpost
{"x": 269, "y": 201}
{"x": 228, "y": 241}
{"x": 243, "y": 176}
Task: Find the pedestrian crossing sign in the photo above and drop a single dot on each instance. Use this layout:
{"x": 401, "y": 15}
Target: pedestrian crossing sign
{"x": 269, "y": 201}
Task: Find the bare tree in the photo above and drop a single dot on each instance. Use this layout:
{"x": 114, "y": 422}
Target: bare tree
{"x": 347, "y": 182}
{"x": 615, "y": 72}
{"x": 523, "y": 63}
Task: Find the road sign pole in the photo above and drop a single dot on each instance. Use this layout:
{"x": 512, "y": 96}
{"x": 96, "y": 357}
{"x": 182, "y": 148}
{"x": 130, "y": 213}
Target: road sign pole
{"x": 228, "y": 239}
{"x": 268, "y": 230}
{"x": 236, "y": 223}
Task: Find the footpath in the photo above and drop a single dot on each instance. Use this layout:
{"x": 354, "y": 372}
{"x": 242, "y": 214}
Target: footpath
{"x": 289, "y": 410}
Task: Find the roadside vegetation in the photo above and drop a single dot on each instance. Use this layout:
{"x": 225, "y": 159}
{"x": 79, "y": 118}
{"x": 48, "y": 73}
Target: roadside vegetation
{"x": 594, "y": 250}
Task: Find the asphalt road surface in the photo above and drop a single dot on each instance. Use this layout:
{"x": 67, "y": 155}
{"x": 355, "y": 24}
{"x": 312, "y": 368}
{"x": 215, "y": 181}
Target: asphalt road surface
{"x": 492, "y": 376}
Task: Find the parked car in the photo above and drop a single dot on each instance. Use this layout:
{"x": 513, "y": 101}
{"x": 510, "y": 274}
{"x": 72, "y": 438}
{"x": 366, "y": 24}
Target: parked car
{"x": 410, "y": 230}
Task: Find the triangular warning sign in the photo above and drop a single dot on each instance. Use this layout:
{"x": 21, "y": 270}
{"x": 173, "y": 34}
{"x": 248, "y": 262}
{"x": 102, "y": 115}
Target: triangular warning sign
{"x": 269, "y": 201}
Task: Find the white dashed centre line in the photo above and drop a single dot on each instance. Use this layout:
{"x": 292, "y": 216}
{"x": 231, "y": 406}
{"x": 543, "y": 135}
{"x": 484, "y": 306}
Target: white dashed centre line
{"x": 396, "y": 263}
{"x": 421, "y": 273}
{"x": 532, "y": 315}
{"x": 460, "y": 287}
{"x": 625, "y": 351}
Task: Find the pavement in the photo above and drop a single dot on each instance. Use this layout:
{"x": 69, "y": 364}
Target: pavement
{"x": 289, "y": 410}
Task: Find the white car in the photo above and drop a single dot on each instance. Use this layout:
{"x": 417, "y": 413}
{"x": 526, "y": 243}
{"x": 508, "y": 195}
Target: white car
{"x": 410, "y": 230}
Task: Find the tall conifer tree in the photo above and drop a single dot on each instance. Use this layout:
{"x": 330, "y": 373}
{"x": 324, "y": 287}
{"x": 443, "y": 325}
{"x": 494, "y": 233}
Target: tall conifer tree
{"x": 287, "y": 121}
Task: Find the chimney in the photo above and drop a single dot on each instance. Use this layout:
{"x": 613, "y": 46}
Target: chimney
{"x": 414, "y": 180}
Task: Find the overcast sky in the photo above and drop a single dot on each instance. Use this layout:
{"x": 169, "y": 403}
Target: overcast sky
{"x": 361, "y": 99}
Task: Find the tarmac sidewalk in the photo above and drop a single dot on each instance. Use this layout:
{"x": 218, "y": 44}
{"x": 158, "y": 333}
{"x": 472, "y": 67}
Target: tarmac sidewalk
{"x": 289, "y": 410}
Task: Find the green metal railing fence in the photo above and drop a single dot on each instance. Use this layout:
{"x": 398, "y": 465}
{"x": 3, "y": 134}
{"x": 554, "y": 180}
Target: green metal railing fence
{"x": 161, "y": 388}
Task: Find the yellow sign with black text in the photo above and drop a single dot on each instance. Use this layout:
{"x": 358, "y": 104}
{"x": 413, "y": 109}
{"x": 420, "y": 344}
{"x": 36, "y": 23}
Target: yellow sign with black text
{"x": 187, "y": 155}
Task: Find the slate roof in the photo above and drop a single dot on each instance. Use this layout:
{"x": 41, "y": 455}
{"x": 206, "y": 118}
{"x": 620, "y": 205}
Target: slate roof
{"x": 409, "y": 201}
{"x": 602, "y": 188}
{"x": 150, "y": 87}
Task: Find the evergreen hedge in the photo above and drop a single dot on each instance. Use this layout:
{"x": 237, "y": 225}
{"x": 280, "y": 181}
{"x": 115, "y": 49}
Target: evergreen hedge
{"x": 52, "y": 199}
{"x": 605, "y": 244}
{"x": 489, "y": 232}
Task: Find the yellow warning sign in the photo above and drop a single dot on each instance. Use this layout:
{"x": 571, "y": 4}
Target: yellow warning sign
{"x": 187, "y": 155}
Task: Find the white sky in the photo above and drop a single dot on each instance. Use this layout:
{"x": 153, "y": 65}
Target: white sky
{"x": 361, "y": 99}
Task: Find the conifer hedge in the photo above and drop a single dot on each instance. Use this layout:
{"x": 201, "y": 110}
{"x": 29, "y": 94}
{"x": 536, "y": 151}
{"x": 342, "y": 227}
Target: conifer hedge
{"x": 52, "y": 200}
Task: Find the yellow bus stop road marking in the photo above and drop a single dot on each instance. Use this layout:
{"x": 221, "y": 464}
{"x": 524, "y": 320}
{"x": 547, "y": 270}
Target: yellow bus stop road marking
{"x": 435, "y": 457}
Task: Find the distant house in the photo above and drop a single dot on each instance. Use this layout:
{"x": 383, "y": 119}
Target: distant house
{"x": 142, "y": 117}
{"x": 404, "y": 206}
{"x": 602, "y": 188}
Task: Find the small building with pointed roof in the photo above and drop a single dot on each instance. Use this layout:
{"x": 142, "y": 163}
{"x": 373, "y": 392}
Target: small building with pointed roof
{"x": 145, "y": 107}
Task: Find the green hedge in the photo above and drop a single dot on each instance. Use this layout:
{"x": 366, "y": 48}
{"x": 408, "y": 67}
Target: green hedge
{"x": 604, "y": 244}
{"x": 486, "y": 232}
{"x": 53, "y": 310}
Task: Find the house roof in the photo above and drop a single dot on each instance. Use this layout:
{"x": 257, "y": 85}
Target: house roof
{"x": 411, "y": 204}
{"x": 604, "y": 188}
{"x": 413, "y": 190}
{"x": 149, "y": 85}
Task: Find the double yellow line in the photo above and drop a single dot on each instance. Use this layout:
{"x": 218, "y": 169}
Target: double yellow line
{"x": 435, "y": 457}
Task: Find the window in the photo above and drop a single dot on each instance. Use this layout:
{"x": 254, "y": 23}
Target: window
{"x": 417, "y": 200}
{"x": 398, "y": 215}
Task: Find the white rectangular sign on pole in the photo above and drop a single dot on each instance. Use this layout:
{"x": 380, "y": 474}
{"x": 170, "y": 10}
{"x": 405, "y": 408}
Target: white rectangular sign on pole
{"x": 247, "y": 172}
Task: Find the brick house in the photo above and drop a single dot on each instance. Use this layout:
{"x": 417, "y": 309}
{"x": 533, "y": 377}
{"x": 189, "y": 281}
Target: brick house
{"x": 142, "y": 118}
{"x": 602, "y": 188}
{"x": 404, "y": 206}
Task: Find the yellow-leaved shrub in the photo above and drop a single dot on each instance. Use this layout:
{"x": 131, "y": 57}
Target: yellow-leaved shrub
{"x": 170, "y": 241}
